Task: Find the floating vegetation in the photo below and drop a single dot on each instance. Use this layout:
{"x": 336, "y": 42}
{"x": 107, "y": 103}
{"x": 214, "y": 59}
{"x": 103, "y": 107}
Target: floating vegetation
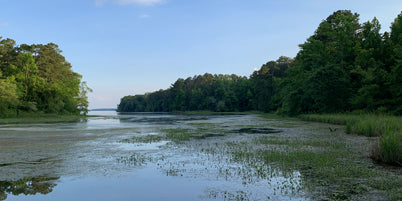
{"x": 136, "y": 159}
{"x": 203, "y": 124}
{"x": 208, "y": 135}
{"x": 258, "y": 130}
{"x": 144, "y": 139}
{"x": 226, "y": 195}
{"x": 216, "y": 156}
{"x": 176, "y": 135}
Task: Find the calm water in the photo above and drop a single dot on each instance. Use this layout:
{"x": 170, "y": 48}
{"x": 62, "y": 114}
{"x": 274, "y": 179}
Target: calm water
{"x": 98, "y": 160}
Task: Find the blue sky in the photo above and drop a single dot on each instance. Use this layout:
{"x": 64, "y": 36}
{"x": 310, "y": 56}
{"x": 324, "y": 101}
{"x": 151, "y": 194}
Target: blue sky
{"x": 127, "y": 47}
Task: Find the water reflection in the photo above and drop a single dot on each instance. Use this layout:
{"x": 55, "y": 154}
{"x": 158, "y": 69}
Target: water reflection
{"x": 158, "y": 118}
{"x": 115, "y": 154}
{"x": 27, "y": 186}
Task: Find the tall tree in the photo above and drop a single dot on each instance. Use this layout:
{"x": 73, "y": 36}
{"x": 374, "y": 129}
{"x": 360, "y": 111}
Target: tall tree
{"x": 396, "y": 71}
{"x": 329, "y": 52}
{"x": 8, "y": 96}
{"x": 43, "y": 79}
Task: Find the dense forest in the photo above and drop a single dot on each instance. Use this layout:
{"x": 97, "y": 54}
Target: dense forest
{"x": 38, "y": 79}
{"x": 344, "y": 66}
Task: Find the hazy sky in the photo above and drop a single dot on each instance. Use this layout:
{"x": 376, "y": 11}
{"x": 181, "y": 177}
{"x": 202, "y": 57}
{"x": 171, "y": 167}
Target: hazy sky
{"x": 127, "y": 47}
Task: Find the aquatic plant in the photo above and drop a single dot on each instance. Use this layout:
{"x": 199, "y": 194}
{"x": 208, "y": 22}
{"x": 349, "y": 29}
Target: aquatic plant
{"x": 136, "y": 159}
{"x": 143, "y": 139}
{"x": 388, "y": 149}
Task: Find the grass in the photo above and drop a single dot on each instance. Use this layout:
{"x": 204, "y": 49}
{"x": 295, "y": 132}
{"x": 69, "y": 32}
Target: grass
{"x": 272, "y": 140}
{"x": 391, "y": 148}
{"x": 388, "y": 128}
{"x": 178, "y": 134}
{"x": 362, "y": 124}
{"x": 331, "y": 165}
{"x": 324, "y": 165}
{"x": 330, "y": 169}
{"x": 42, "y": 118}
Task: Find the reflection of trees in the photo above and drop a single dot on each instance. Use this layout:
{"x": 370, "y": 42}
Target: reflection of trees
{"x": 27, "y": 186}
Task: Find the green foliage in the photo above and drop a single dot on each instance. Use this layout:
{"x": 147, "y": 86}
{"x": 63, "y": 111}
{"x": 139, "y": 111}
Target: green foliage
{"x": 37, "y": 79}
{"x": 220, "y": 93}
{"x": 396, "y": 71}
{"x": 8, "y": 96}
{"x": 327, "y": 89}
{"x": 82, "y": 100}
{"x": 344, "y": 66}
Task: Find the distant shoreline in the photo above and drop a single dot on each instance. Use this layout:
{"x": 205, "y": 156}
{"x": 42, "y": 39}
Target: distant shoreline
{"x": 104, "y": 109}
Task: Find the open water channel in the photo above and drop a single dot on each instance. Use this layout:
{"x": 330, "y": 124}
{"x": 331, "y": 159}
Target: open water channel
{"x": 141, "y": 157}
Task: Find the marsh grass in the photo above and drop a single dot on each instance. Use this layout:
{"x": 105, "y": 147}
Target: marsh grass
{"x": 325, "y": 166}
{"x": 362, "y": 124}
{"x": 388, "y": 149}
{"x": 333, "y": 167}
{"x": 178, "y": 134}
{"x": 299, "y": 143}
{"x": 391, "y": 147}
{"x": 188, "y": 134}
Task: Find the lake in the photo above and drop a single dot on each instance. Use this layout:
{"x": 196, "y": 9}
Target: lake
{"x": 151, "y": 156}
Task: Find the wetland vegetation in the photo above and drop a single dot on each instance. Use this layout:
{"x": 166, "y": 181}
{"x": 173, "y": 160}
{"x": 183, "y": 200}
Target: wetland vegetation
{"x": 388, "y": 129}
{"x": 331, "y": 164}
{"x": 216, "y": 157}
{"x": 344, "y": 67}
{"x": 344, "y": 83}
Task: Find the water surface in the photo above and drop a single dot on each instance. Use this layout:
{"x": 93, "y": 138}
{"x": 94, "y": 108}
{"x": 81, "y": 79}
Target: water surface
{"x": 102, "y": 159}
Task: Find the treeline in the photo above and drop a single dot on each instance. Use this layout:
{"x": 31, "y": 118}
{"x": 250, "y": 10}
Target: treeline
{"x": 38, "y": 79}
{"x": 343, "y": 66}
